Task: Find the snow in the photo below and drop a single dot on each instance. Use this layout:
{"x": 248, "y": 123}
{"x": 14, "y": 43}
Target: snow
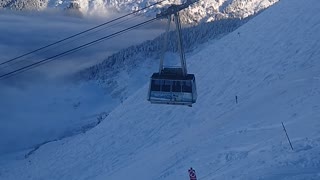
{"x": 270, "y": 63}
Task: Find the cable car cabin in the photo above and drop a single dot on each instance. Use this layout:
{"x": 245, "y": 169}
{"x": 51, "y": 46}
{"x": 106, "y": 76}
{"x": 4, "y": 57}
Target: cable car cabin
{"x": 173, "y": 85}
{"x": 172, "y": 88}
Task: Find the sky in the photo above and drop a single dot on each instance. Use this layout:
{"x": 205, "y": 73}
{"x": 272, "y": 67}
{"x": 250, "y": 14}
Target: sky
{"x": 38, "y": 105}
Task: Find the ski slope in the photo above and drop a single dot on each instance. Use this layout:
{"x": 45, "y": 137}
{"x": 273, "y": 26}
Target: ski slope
{"x": 270, "y": 63}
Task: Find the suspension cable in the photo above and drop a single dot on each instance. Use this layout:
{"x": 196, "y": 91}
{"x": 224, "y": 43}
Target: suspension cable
{"x": 90, "y": 29}
{"x": 73, "y": 40}
{"x": 46, "y": 60}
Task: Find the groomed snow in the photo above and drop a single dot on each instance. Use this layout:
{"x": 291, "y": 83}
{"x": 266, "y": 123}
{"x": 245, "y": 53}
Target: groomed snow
{"x": 270, "y": 63}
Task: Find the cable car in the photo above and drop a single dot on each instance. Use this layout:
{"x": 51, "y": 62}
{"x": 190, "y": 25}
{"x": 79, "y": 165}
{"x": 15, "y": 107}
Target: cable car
{"x": 173, "y": 85}
{"x": 172, "y": 88}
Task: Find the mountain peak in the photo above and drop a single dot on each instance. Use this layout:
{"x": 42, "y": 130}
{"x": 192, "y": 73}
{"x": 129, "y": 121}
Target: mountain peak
{"x": 202, "y": 11}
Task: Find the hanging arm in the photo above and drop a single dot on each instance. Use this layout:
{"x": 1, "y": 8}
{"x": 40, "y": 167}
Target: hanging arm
{"x": 180, "y": 44}
{"x": 165, "y": 41}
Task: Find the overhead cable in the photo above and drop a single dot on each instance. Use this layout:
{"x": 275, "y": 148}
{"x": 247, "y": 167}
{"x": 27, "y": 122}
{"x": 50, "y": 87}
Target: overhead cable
{"x": 49, "y": 45}
{"x": 46, "y": 60}
{"x": 68, "y": 42}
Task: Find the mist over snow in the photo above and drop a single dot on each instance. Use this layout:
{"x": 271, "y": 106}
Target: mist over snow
{"x": 24, "y": 32}
{"x": 44, "y": 103}
{"x": 44, "y": 112}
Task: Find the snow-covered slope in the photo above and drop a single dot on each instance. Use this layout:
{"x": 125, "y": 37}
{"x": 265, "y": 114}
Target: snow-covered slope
{"x": 270, "y": 63}
{"x": 204, "y": 10}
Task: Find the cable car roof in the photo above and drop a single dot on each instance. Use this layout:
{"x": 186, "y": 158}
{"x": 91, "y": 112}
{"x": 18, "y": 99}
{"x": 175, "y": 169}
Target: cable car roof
{"x": 172, "y": 76}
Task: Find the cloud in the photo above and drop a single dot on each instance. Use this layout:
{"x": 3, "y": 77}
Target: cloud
{"x": 36, "y": 106}
{"x": 26, "y": 32}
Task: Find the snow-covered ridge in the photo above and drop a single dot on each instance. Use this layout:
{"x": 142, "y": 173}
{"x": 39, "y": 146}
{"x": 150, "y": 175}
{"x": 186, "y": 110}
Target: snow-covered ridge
{"x": 204, "y": 10}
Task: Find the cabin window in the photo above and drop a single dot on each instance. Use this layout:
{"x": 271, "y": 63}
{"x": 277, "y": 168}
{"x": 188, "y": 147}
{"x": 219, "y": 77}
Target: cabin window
{"x": 166, "y": 86}
{"x": 187, "y": 86}
{"x": 155, "y": 85}
{"x": 176, "y": 87}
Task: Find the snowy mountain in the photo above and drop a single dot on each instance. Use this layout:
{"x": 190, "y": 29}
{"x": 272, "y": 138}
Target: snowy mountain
{"x": 270, "y": 64}
{"x": 204, "y": 10}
